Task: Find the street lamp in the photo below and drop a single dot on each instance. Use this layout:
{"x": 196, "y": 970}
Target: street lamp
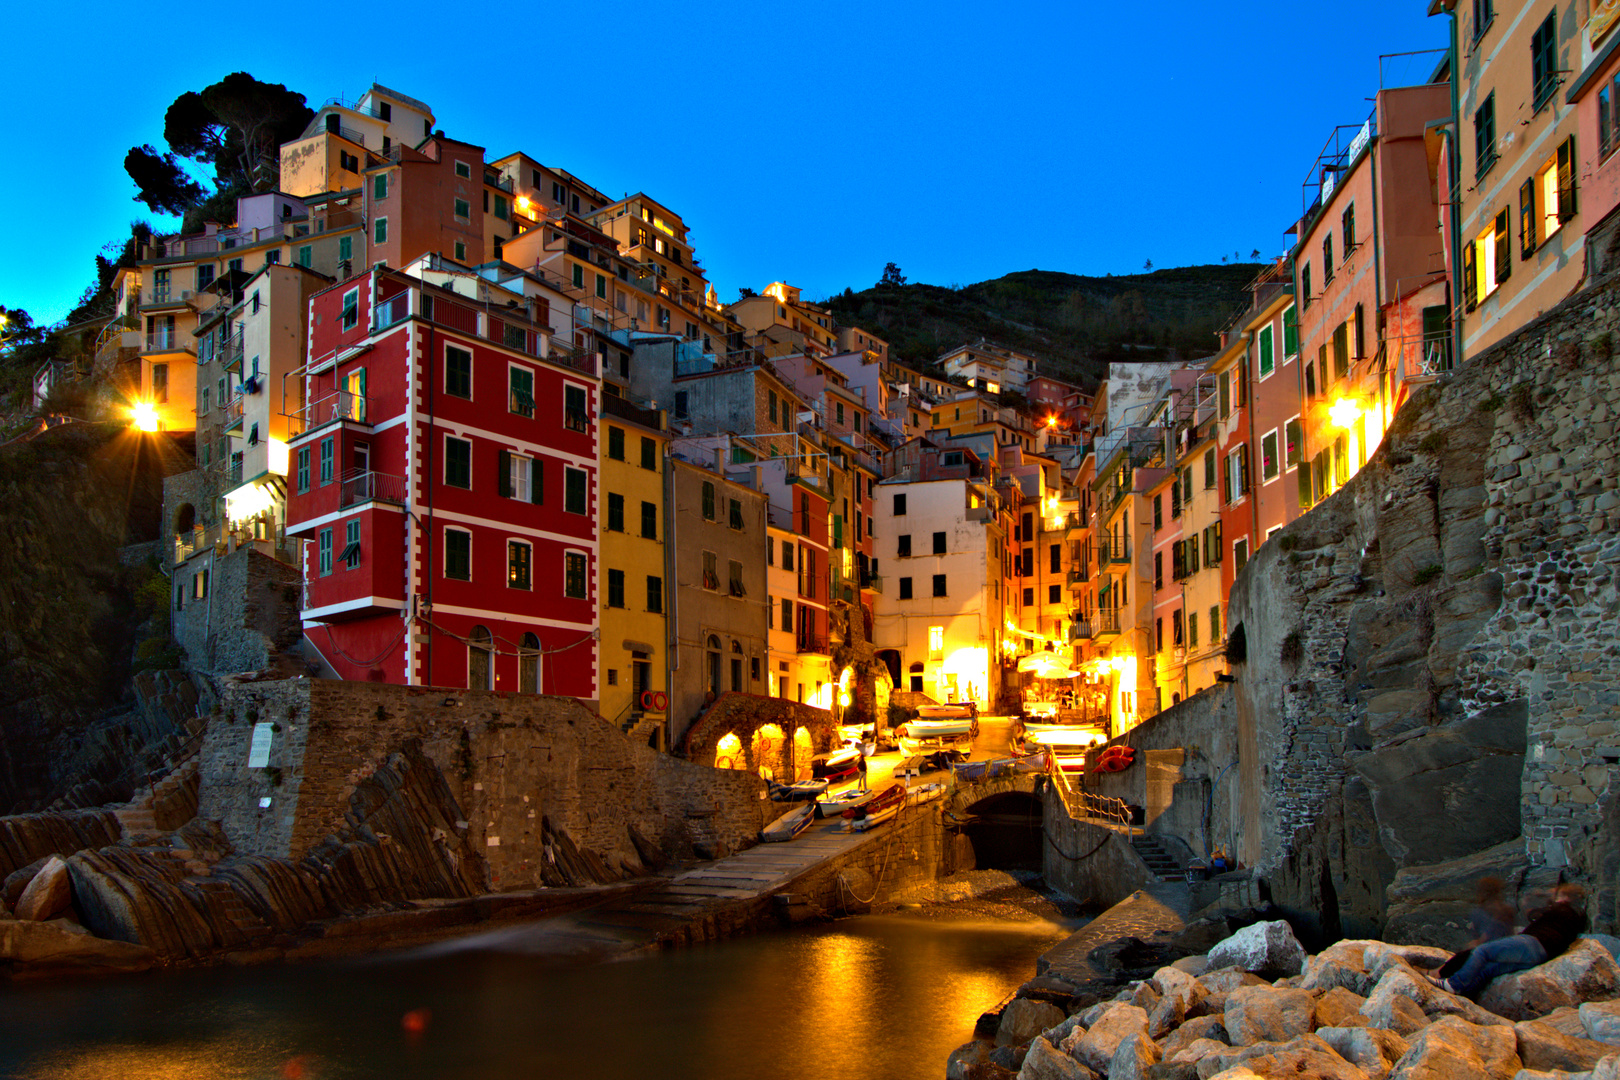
{"x": 1344, "y": 412}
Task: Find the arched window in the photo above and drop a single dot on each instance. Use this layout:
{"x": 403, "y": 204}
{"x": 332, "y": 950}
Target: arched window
{"x": 916, "y": 680}
{"x": 714, "y": 665}
{"x": 529, "y": 665}
{"x": 736, "y": 666}
{"x": 185, "y": 519}
{"x": 480, "y": 659}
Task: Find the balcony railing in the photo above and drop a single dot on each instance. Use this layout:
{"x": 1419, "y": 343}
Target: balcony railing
{"x": 233, "y": 412}
{"x": 809, "y": 642}
{"x": 1080, "y": 575}
{"x": 1105, "y": 621}
{"x": 359, "y": 487}
{"x": 335, "y": 407}
{"x": 1114, "y": 549}
{"x": 1080, "y": 630}
{"x": 231, "y": 351}
{"x": 165, "y": 342}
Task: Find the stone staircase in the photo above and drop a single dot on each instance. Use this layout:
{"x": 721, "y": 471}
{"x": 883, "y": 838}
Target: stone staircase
{"x": 1160, "y": 862}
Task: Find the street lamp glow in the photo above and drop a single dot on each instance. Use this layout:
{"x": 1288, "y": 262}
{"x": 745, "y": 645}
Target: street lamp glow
{"x": 144, "y": 415}
{"x": 1344, "y": 412}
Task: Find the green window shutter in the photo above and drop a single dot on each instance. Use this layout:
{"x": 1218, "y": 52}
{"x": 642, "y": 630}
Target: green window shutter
{"x": 379, "y": 186}
{"x": 1226, "y": 394}
{"x": 1527, "y": 218}
{"x": 1566, "y": 179}
{"x": 1226, "y": 482}
{"x": 1504, "y": 253}
{"x": 1470, "y": 277}
{"x": 1290, "y": 332}
{"x": 537, "y": 476}
{"x": 503, "y": 474}
{"x": 1267, "y": 361}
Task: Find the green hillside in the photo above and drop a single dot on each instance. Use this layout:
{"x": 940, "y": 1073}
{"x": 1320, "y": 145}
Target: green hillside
{"x": 1077, "y": 324}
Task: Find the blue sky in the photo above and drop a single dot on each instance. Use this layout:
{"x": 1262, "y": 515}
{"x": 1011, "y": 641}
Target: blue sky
{"x": 812, "y": 144}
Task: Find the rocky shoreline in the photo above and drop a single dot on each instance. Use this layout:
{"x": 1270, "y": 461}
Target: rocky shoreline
{"x": 1253, "y": 1005}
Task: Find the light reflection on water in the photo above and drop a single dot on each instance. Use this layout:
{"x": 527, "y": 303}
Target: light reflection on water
{"x": 879, "y": 998}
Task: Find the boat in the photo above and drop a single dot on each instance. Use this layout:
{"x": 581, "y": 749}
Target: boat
{"x": 1066, "y": 744}
{"x": 970, "y": 770}
{"x": 874, "y": 819}
{"x": 790, "y": 824}
{"x": 883, "y": 805}
{"x": 835, "y": 803}
{"x": 800, "y": 792}
{"x": 939, "y": 727}
{"x": 839, "y": 765}
{"x": 1037, "y": 762}
{"x": 950, "y": 710}
{"x": 924, "y": 793}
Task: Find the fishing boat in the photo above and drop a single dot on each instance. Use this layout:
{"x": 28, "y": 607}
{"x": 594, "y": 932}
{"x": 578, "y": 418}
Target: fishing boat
{"x": 834, "y": 803}
{"x": 1066, "y": 743}
{"x": 802, "y": 791}
{"x": 939, "y": 727}
{"x": 839, "y": 765}
{"x": 970, "y": 770}
{"x": 1036, "y": 762}
{"x": 883, "y": 805}
{"x": 924, "y": 793}
{"x": 790, "y": 824}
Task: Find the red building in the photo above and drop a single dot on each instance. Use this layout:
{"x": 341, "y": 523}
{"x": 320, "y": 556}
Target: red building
{"x": 444, "y": 483}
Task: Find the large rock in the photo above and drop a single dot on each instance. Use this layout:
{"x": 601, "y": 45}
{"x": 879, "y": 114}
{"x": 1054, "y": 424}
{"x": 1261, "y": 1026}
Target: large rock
{"x": 1198, "y": 1050}
{"x": 1372, "y": 1050}
{"x": 1543, "y": 1046}
{"x": 1056, "y": 1035}
{"x": 1266, "y": 1014}
{"x": 1267, "y": 948}
{"x": 48, "y": 894}
{"x": 1339, "y": 1008}
{"x": 1432, "y": 903}
{"x": 1166, "y": 1016}
{"x": 1172, "y": 982}
{"x": 1133, "y": 1057}
{"x": 1453, "y": 1049}
{"x": 16, "y": 881}
{"x": 1586, "y": 972}
{"x": 1095, "y": 1049}
{"x": 1207, "y": 1028}
{"x": 1045, "y": 1062}
{"x": 1601, "y": 1021}
{"x": 1305, "y": 1055}
{"x": 1401, "y": 982}
{"x": 1322, "y": 975}
{"x": 1024, "y": 1019}
{"x": 1379, "y": 958}
{"x": 29, "y": 948}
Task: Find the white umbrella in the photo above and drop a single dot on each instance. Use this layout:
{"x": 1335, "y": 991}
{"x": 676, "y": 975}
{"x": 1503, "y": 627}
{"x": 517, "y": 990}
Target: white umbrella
{"x": 1047, "y": 665}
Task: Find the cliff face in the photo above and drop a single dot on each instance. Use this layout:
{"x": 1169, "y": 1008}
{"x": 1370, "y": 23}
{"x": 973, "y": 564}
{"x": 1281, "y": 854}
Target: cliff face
{"x": 1431, "y": 683}
{"x": 69, "y": 499}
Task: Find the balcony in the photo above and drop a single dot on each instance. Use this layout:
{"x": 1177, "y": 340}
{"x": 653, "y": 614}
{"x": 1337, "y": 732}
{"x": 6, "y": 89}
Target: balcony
{"x": 1061, "y": 523}
{"x": 359, "y": 487}
{"x": 1114, "y": 549}
{"x": 1105, "y": 622}
{"x": 339, "y": 406}
{"x": 165, "y": 342}
{"x": 811, "y": 643}
{"x": 872, "y": 583}
{"x": 233, "y": 413}
{"x": 1083, "y": 574}
{"x": 1080, "y": 630}
{"x": 231, "y": 351}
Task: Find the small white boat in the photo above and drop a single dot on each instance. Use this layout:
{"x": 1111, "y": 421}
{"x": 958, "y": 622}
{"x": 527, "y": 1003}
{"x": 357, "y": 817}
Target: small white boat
{"x": 835, "y": 803}
{"x": 790, "y": 824}
{"x": 876, "y": 818}
{"x": 924, "y": 793}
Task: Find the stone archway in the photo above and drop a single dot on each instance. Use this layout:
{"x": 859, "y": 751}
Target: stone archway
{"x": 770, "y": 753}
{"x": 1006, "y": 831}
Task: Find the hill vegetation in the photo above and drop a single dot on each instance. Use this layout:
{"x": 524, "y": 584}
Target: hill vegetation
{"x": 1078, "y": 324}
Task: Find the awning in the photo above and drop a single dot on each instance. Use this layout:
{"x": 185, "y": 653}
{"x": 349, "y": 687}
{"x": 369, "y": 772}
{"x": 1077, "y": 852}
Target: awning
{"x": 1047, "y": 665}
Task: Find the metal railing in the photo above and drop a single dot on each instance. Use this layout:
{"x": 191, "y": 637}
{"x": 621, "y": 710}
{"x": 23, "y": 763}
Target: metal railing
{"x": 339, "y": 405}
{"x": 1105, "y": 621}
{"x": 1422, "y": 358}
{"x": 359, "y": 487}
{"x": 810, "y": 642}
{"x": 1114, "y": 548}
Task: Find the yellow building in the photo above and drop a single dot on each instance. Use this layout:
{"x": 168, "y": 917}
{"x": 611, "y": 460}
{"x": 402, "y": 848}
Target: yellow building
{"x": 633, "y": 648}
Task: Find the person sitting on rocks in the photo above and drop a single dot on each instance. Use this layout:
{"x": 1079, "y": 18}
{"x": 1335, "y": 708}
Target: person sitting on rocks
{"x": 1551, "y": 931}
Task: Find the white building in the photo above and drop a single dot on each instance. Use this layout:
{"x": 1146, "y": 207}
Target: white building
{"x": 991, "y": 368}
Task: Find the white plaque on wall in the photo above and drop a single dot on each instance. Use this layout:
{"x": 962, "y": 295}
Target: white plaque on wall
{"x": 259, "y": 752}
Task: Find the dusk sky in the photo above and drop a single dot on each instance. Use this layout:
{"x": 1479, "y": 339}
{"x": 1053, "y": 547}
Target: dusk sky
{"x": 811, "y": 144}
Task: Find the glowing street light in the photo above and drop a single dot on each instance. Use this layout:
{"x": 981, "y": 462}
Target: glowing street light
{"x": 144, "y": 415}
{"x": 1344, "y": 412}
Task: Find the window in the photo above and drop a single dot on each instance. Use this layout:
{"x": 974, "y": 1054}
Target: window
{"x": 1609, "y": 117}
{"x": 616, "y": 443}
{"x": 457, "y": 372}
{"x": 1485, "y": 136}
{"x": 1158, "y": 512}
{"x": 1192, "y": 629}
{"x": 736, "y": 515}
{"x": 458, "y": 554}
{"x": 1240, "y": 554}
{"x": 1235, "y": 480}
{"x": 457, "y": 462}
{"x": 1158, "y": 635}
{"x": 615, "y": 517}
{"x": 711, "y": 574}
{"x": 1327, "y": 259}
{"x": 1290, "y": 332}
{"x": 379, "y": 231}
{"x": 1055, "y": 559}
{"x": 345, "y": 248}
{"x": 1487, "y": 262}
{"x": 1341, "y": 350}
{"x": 649, "y": 520}
{"x": 1347, "y": 228}
{"x": 771, "y": 400}
{"x": 936, "y": 643}
{"x": 518, "y": 477}
{"x": 734, "y": 578}
{"x": 1359, "y": 338}
{"x": 1293, "y": 443}
{"x": 649, "y": 454}
{"x": 1029, "y": 597}
{"x": 574, "y": 574}
{"x": 463, "y": 210}
{"x": 939, "y": 585}
{"x": 520, "y": 391}
{"x": 350, "y": 556}
{"x": 1054, "y": 594}
{"x": 518, "y": 557}
{"x": 939, "y": 543}
{"x": 1544, "y": 59}
{"x": 305, "y": 256}
{"x": 1305, "y": 284}
{"x": 905, "y": 588}
{"x": 615, "y": 596}
{"x": 303, "y": 469}
{"x": 655, "y": 594}
{"x": 680, "y": 405}
{"x": 1547, "y": 199}
{"x": 787, "y": 614}
{"x": 500, "y": 207}
{"x": 708, "y": 501}
{"x": 1268, "y": 361}
{"x": 351, "y": 309}
{"x": 461, "y": 251}
{"x": 324, "y": 545}
{"x": 1483, "y": 14}
{"x": 574, "y": 500}
{"x": 1225, "y": 394}
{"x": 899, "y": 506}
{"x": 1215, "y": 624}
{"x": 787, "y": 555}
{"x": 575, "y": 415}
{"x": 379, "y": 186}
{"x": 327, "y": 452}
{"x": 579, "y": 276}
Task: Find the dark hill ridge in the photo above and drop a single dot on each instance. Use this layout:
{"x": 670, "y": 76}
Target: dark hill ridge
{"x": 1077, "y": 323}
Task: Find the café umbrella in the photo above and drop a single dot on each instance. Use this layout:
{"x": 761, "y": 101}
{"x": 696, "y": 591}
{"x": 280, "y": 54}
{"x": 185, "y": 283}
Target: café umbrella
{"x": 1047, "y": 665}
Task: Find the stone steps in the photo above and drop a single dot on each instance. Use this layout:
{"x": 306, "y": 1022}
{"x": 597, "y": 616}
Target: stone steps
{"x": 1159, "y": 861}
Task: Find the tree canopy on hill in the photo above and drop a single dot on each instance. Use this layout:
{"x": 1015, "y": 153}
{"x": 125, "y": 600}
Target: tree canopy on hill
{"x": 1076, "y": 323}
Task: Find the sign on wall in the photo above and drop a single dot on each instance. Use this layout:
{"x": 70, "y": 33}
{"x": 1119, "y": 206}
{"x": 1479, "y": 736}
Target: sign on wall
{"x": 259, "y": 751}
{"x": 1602, "y": 20}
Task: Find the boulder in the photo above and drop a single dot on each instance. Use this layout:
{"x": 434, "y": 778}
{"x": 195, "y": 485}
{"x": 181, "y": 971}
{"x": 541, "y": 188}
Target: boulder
{"x": 1198, "y": 1050}
{"x": 1266, "y": 1014}
{"x": 1193, "y": 965}
{"x": 1046, "y": 1062}
{"x": 1056, "y": 1035}
{"x": 1323, "y": 975}
{"x": 1305, "y": 1055}
{"x": 48, "y": 894}
{"x": 1586, "y": 972}
{"x": 1133, "y": 1057}
{"x": 965, "y": 1057}
{"x": 1024, "y": 1019}
{"x": 1600, "y": 1019}
{"x": 1400, "y": 981}
{"x": 1267, "y": 948}
{"x": 1372, "y": 1050}
{"x": 1173, "y": 982}
{"x": 16, "y": 881}
{"x": 30, "y": 948}
{"x": 1339, "y": 1008}
{"x": 1567, "y": 1021}
{"x": 1095, "y": 1049}
{"x": 1607, "y": 1069}
{"x": 1172, "y": 1070}
{"x": 1238, "y": 1072}
{"x": 1542, "y": 1046}
{"x": 1010, "y": 1058}
{"x": 1093, "y": 1013}
{"x": 1453, "y": 1049}
{"x": 1144, "y": 996}
{"x": 1166, "y": 1016}
{"x": 1379, "y": 958}
{"x": 1202, "y": 1028}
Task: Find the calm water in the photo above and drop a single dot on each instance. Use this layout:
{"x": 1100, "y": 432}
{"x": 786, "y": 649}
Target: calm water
{"x": 876, "y": 998}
